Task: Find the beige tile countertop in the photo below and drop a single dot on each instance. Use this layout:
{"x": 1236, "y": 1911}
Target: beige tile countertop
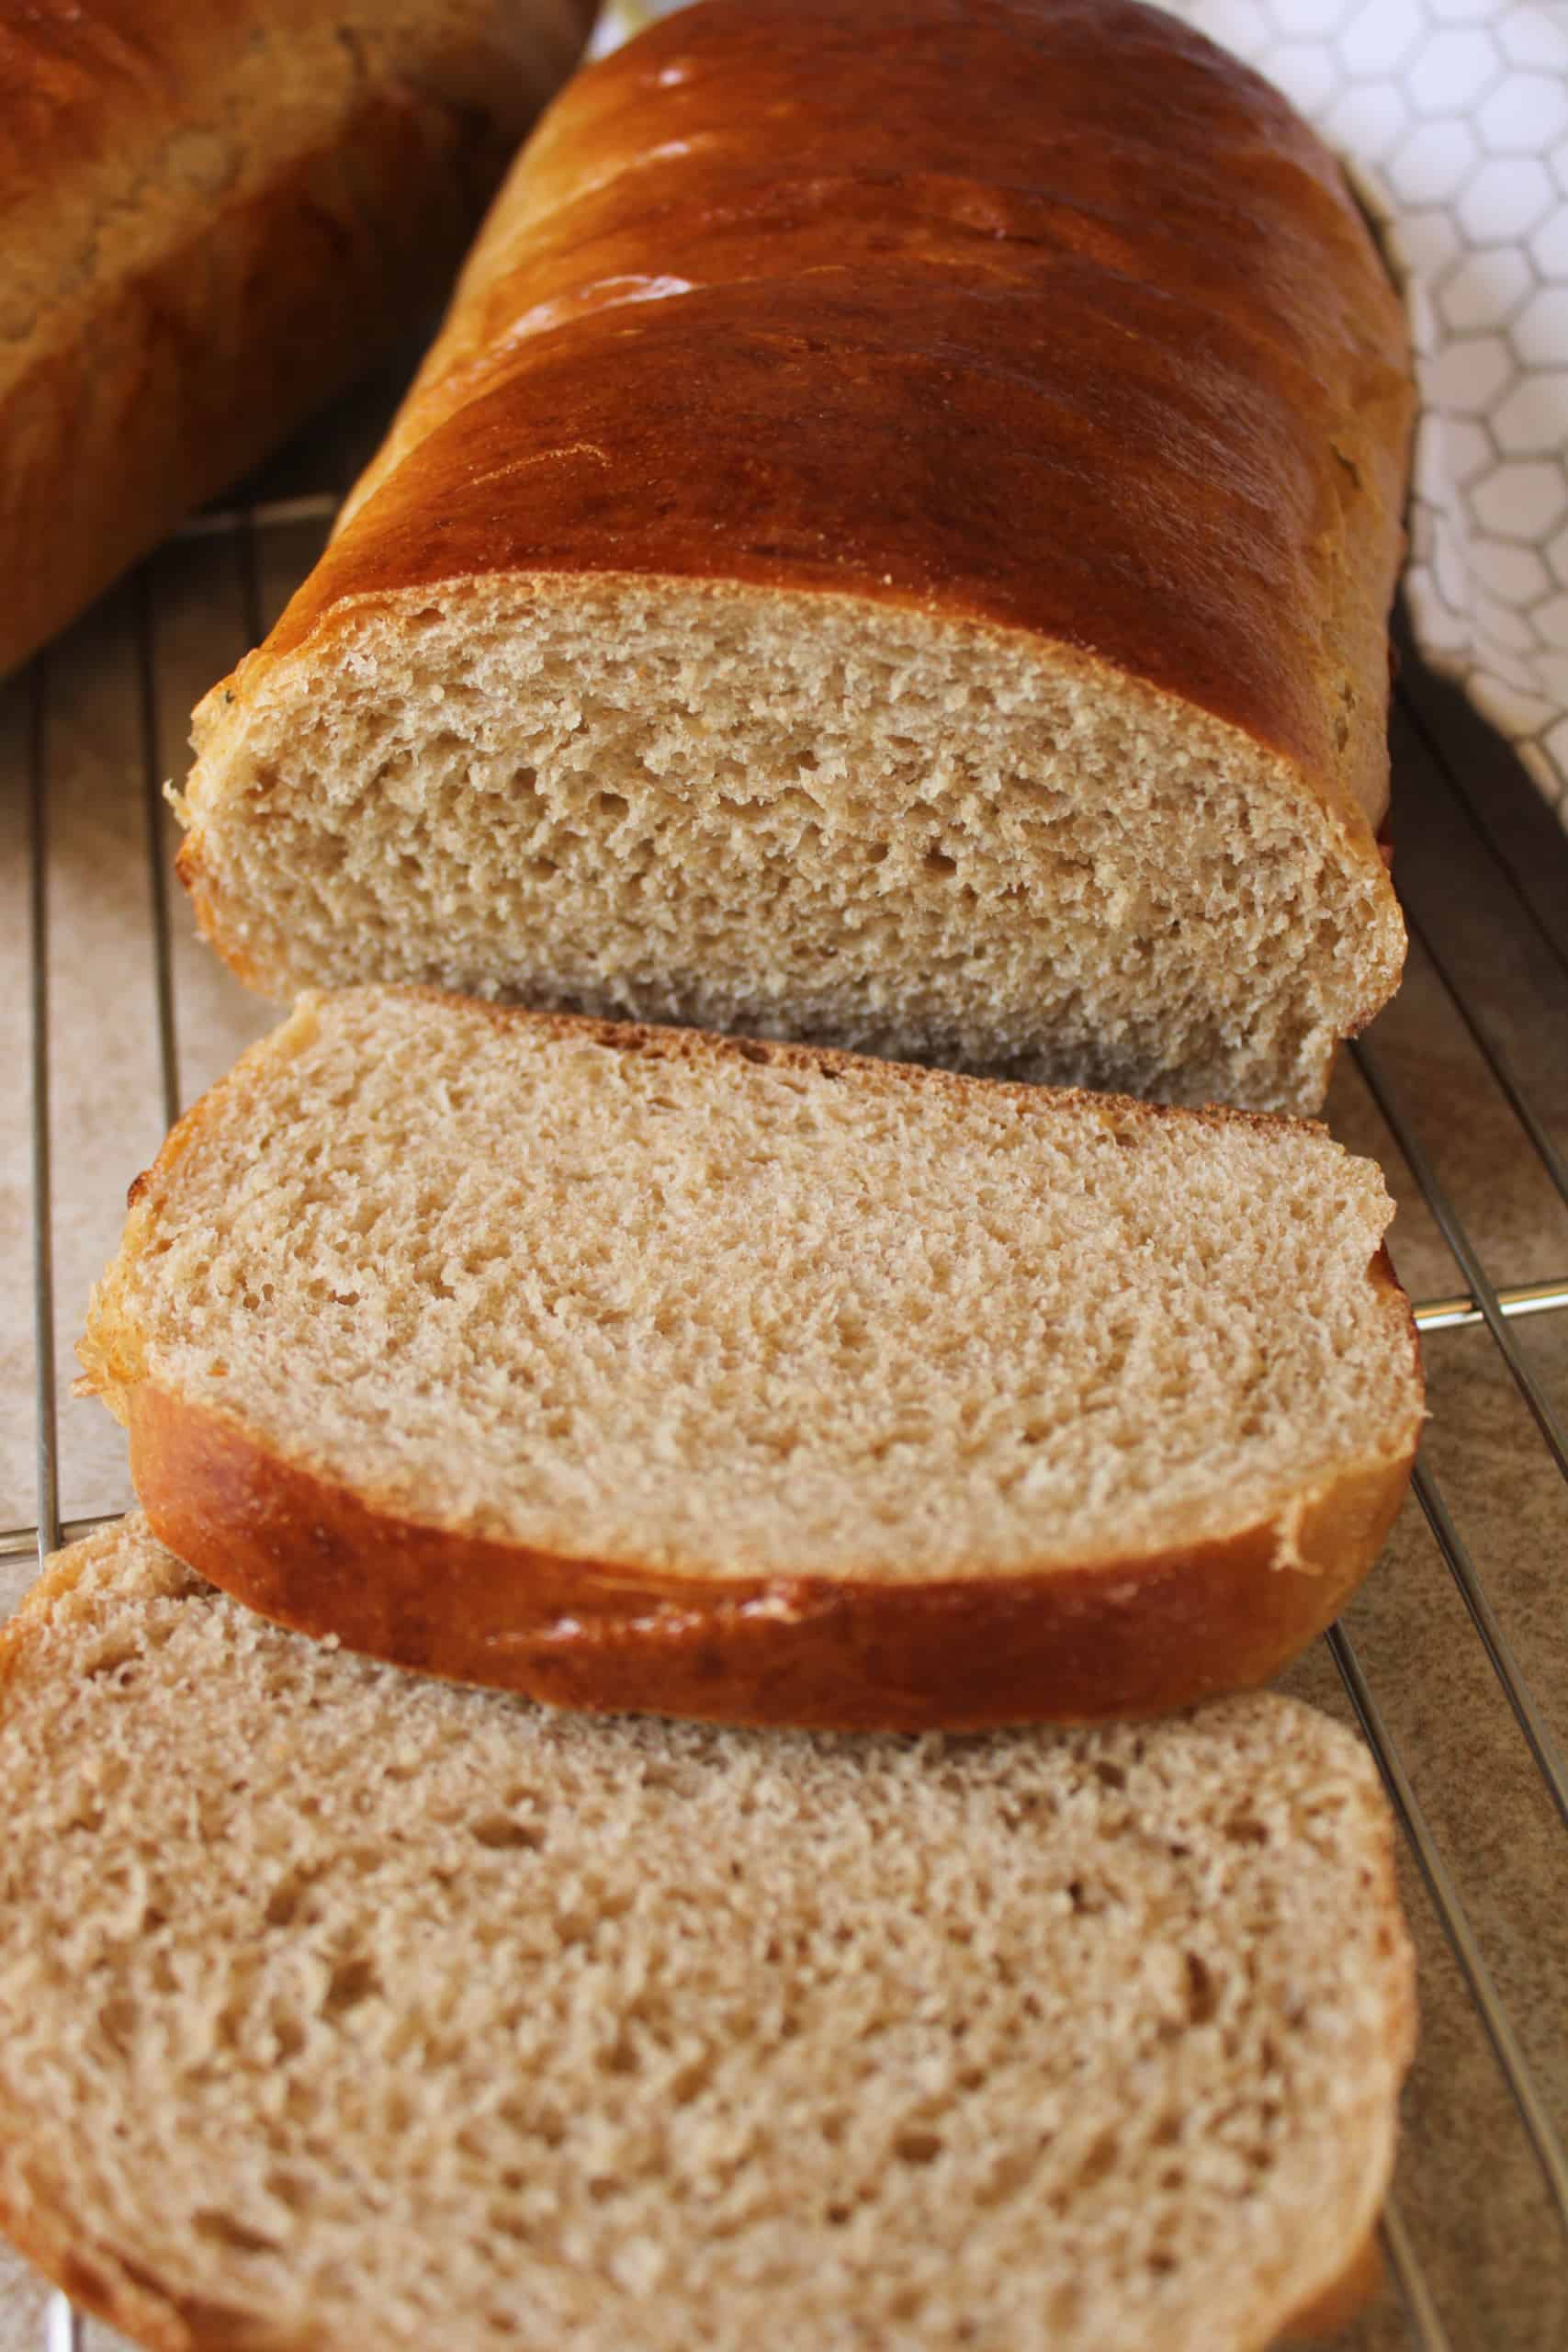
{"x": 140, "y": 1017}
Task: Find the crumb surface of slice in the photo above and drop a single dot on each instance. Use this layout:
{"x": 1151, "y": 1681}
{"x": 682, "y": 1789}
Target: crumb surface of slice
{"x": 795, "y": 815}
{"x": 633, "y": 1296}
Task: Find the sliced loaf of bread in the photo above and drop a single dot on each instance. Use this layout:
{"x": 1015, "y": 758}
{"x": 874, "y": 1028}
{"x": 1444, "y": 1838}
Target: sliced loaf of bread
{"x": 891, "y": 547}
{"x": 340, "y": 2008}
{"x": 641, "y": 1368}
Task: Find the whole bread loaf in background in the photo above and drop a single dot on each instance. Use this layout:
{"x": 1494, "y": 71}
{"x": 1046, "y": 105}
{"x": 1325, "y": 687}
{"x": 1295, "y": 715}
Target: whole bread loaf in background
{"x": 646, "y": 1369}
{"x": 213, "y": 213}
{"x": 348, "y": 2011}
{"x": 892, "y": 546}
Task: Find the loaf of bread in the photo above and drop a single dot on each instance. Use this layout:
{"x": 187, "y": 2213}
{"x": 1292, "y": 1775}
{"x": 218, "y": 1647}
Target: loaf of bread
{"x": 647, "y": 1369}
{"x": 892, "y": 548}
{"x": 344, "y": 2009}
{"x": 211, "y": 217}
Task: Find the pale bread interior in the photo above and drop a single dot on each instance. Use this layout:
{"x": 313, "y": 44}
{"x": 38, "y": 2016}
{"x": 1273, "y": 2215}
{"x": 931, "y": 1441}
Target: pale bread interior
{"x": 738, "y": 1310}
{"x": 344, "y": 2008}
{"x": 790, "y": 815}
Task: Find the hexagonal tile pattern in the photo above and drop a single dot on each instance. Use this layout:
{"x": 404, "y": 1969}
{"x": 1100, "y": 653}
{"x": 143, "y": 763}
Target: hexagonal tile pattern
{"x": 1470, "y": 374}
{"x": 1433, "y": 161}
{"x": 1527, "y": 421}
{"x": 1451, "y": 69}
{"x": 1506, "y": 707}
{"x": 1452, "y": 117}
{"x": 1525, "y": 113}
{"x": 1515, "y": 575}
{"x": 1367, "y": 119}
{"x": 1485, "y": 290}
{"x": 1520, "y": 503}
{"x": 1428, "y": 243}
{"x": 1549, "y": 245}
{"x": 1509, "y": 634}
{"x": 1466, "y": 445}
{"x": 1529, "y": 36}
{"x": 1506, "y": 198}
{"x": 1540, "y": 330}
{"x": 1378, "y": 39}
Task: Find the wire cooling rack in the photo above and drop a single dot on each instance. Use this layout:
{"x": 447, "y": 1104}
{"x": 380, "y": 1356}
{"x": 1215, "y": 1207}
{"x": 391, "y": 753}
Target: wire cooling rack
{"x": 1454, "y": 1660}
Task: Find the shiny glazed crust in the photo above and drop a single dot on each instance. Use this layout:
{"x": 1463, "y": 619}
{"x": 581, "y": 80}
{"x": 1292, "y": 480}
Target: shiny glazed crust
{"x": 1358, "y": 2284}
{"x": 1138, "y": 1635}
{"x": 213, "y": 217}
{"x": 1045, "y": 314}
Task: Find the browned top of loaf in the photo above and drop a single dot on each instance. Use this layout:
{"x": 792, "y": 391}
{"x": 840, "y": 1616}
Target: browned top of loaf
{"x": 1043, "y": 313}
{"x": 117, "y": 115}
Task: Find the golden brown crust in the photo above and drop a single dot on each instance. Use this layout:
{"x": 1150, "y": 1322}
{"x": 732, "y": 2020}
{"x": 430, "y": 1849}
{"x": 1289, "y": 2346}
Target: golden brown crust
{"x": 1336, "y": 2305}
{"x": 953, "y": 313}
{"x": 143, "y": 2312}
{"x": 213, "y": 217}
{"x": 1134, "y": 1636}
{"x": 106, "y": 2286}
{"x": 51, "y": 2242}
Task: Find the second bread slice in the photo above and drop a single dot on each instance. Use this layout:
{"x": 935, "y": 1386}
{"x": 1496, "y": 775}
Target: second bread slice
{"x": 639, "y": 1368}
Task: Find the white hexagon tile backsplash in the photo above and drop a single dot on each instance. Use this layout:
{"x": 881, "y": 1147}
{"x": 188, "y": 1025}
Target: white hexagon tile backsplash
{"x": 1452, "y": 116}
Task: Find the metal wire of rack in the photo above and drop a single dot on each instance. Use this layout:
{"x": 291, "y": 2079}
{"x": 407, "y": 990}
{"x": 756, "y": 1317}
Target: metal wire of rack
{"x": 1484, "y": 2264}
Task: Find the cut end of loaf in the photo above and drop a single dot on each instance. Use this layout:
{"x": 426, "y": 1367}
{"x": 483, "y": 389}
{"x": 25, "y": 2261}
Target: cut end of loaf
{"x": 418, "y": 2013}
{"x": 790, "y": 816}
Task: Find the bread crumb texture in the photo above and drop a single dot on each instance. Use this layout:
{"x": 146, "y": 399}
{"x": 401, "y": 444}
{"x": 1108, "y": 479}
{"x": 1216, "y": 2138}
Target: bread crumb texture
{"x": 340, "y": 2008}
{"x": 795, "y": 815}
{"x": 741, "y": 1311}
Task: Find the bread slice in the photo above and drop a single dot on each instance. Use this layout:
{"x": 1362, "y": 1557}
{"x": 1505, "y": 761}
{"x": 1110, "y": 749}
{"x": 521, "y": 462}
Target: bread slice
{"x": 641, "y": 1368}
{"x": 342, "y": 2008}
{"x": 891, "y": 548}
